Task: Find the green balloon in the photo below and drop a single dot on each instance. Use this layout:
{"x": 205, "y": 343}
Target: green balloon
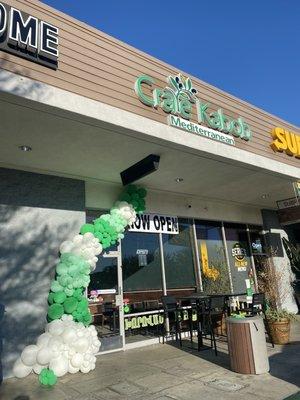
{"x": 56, "y": 287}
{"x": 69, "y": 292}
{"x": 77, "y": 294}
{"x": 59, "y": 297}
{"x": 55, "y": 311}
{"x": 142, "y": 192}
{"x": 51, "y": 298}
{"x": 87, "y": 228}
{"x": 83, "y": 305}
{"x": 47, "y": 377}
{"x": 70, "y": 305}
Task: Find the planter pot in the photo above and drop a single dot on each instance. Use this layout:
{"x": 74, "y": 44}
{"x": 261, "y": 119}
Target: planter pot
{"x": 280, "y": 331}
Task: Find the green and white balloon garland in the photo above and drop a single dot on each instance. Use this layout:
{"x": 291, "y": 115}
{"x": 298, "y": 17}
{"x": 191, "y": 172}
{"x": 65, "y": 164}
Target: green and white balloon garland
{"x": 70, "y": 343}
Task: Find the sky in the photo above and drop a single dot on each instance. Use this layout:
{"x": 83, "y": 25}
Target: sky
{"x": 249, "y": 48}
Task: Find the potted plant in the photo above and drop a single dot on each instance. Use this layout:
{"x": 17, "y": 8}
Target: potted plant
{"x": 279, "y": 324}
{"x": 278, "y": 320}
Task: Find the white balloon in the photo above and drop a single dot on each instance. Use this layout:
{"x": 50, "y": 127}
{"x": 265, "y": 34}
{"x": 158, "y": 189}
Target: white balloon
{"x": 59, "y": 365}
{"x": 38, "y": 368}
{"x": 81, "y": 345}
{"x": 77, "y": 360}
{"x": 56, "y": 327}
{"x": 69, "y": 335}
{"x": 78, "y": 239}
{"x": 20, "y": 370}
{"x": 44, "y": 356}
{"x": 72, "y": 370}
{"x": 43, "y": 340}
{"x": 28, "y": 355}
{"x": 66, "y": 247}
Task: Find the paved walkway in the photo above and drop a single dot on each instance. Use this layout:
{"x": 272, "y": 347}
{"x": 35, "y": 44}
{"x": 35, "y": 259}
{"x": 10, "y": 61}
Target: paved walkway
{"x": 164, "y": 372}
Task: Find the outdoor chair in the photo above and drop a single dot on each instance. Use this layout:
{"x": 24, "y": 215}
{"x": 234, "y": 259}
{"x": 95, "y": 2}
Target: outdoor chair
{"x": 137, "y": 307}
{"x": 208, "y": 310}
{"x": 171, "y": 309}
{"x": 108, "y": 314}
{"x": 151, "y": 305}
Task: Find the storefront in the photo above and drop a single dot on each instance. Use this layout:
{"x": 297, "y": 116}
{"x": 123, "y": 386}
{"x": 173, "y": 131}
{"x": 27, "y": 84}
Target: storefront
{"x": 79, "y": 107}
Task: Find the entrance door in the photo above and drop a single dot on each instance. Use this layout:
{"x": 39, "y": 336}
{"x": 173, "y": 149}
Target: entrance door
{"x": 105, "y": 294}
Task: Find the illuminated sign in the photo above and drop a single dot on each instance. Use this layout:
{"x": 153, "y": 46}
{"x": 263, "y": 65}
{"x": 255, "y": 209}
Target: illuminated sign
{"x": 179, "y": 98}
{"x": 26, "y": 36}
{"x": 286, "y": 141}
{"x": 239, "y": 254}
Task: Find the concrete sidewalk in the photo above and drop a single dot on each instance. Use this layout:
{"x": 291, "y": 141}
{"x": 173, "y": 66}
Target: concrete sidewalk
{"x": 165, "y": 372}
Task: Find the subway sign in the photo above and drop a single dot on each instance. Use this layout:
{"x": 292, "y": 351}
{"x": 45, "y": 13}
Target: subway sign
{"x": 286, "y": 141}
{"x": 180, "y": 98}
{"x": 23, "y": 35}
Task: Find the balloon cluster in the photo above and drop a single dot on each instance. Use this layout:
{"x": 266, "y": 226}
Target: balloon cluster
{"x": 136, "y": 197}
{"x": 85, "y": 246}
{"x": 110, "y": 228}
{"x": 66, "y": 295}
{"x": 69, "y": 344}
{"x": 66, "y": 346}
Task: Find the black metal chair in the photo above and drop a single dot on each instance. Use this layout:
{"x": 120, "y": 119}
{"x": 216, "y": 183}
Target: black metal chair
{"x": 208, "y": 310}
{"x": 151, "y": 305}
{"x": 108, "y": 313}
{"x": 171, "y": 308}
{"x": 137, "y": 307}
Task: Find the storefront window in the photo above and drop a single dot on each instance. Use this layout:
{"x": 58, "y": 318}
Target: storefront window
{"x": 178, "y": 257}
{"x": 141, "y": 262}
{"x": 214, "y": 270}
{"x": 257, "y": 240}
{"x": 239, "y": 255}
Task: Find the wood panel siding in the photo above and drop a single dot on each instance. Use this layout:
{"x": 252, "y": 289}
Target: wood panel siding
{"x": 97, "y": 66}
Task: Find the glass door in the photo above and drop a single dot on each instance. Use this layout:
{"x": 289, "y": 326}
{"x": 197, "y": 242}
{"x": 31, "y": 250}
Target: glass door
{"x": 105, "y": 294}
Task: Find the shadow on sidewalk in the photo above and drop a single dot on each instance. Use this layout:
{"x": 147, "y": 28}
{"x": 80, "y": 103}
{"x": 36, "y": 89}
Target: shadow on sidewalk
{"x": 285, "y": 365}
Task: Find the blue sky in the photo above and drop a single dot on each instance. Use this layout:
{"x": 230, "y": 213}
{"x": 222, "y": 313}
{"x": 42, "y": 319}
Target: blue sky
{"x": 249, "y": 48}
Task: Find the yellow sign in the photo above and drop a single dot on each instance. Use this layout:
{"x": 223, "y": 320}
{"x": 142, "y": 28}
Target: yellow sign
{"x": 286, "y": 141}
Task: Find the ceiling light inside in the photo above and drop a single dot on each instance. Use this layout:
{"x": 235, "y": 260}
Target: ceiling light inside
{"x": 25, "y": 148}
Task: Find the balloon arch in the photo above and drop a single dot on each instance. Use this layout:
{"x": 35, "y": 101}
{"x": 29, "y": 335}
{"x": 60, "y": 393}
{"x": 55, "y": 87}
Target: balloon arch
{"x": 70, "y": 343}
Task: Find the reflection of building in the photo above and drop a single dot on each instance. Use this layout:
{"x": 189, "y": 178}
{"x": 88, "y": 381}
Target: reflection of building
{"x": 85, "y": 124}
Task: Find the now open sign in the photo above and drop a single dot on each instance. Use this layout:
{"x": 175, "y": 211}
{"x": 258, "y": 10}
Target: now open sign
{"x": 155, "y": 223}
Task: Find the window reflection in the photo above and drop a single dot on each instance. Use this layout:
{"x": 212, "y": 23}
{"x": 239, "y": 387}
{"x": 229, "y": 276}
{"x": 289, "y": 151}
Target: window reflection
{"x": 214, "y": 270}
{"x": 141, "y": 261}
{"x": 178, "y": 257}
{"x": 239, "y": 255}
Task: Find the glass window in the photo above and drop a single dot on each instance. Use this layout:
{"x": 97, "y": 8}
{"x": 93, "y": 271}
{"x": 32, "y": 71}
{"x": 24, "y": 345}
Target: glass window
{"x": 257, "y": 240}
{"x": 178, "y": 257}
{"x": 141, "y": 262}
{"x": 239, "y": 255}
{"x": 214, "y": 270}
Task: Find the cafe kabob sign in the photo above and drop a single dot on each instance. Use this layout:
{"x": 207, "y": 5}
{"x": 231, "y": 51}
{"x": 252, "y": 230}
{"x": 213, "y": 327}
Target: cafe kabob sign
{"x": 179, "y": 99}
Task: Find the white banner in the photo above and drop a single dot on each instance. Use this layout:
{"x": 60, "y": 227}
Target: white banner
{"x": 155, "y": 223}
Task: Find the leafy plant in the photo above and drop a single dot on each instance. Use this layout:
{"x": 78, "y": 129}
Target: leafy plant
{"x": 269, "y": 278}
{"x": 274, "y": 315}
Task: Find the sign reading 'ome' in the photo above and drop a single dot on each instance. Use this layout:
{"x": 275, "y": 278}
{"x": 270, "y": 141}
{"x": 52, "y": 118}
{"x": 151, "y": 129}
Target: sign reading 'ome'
{"x": 26, "y": 36}
{"x": 154, "y": 223}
